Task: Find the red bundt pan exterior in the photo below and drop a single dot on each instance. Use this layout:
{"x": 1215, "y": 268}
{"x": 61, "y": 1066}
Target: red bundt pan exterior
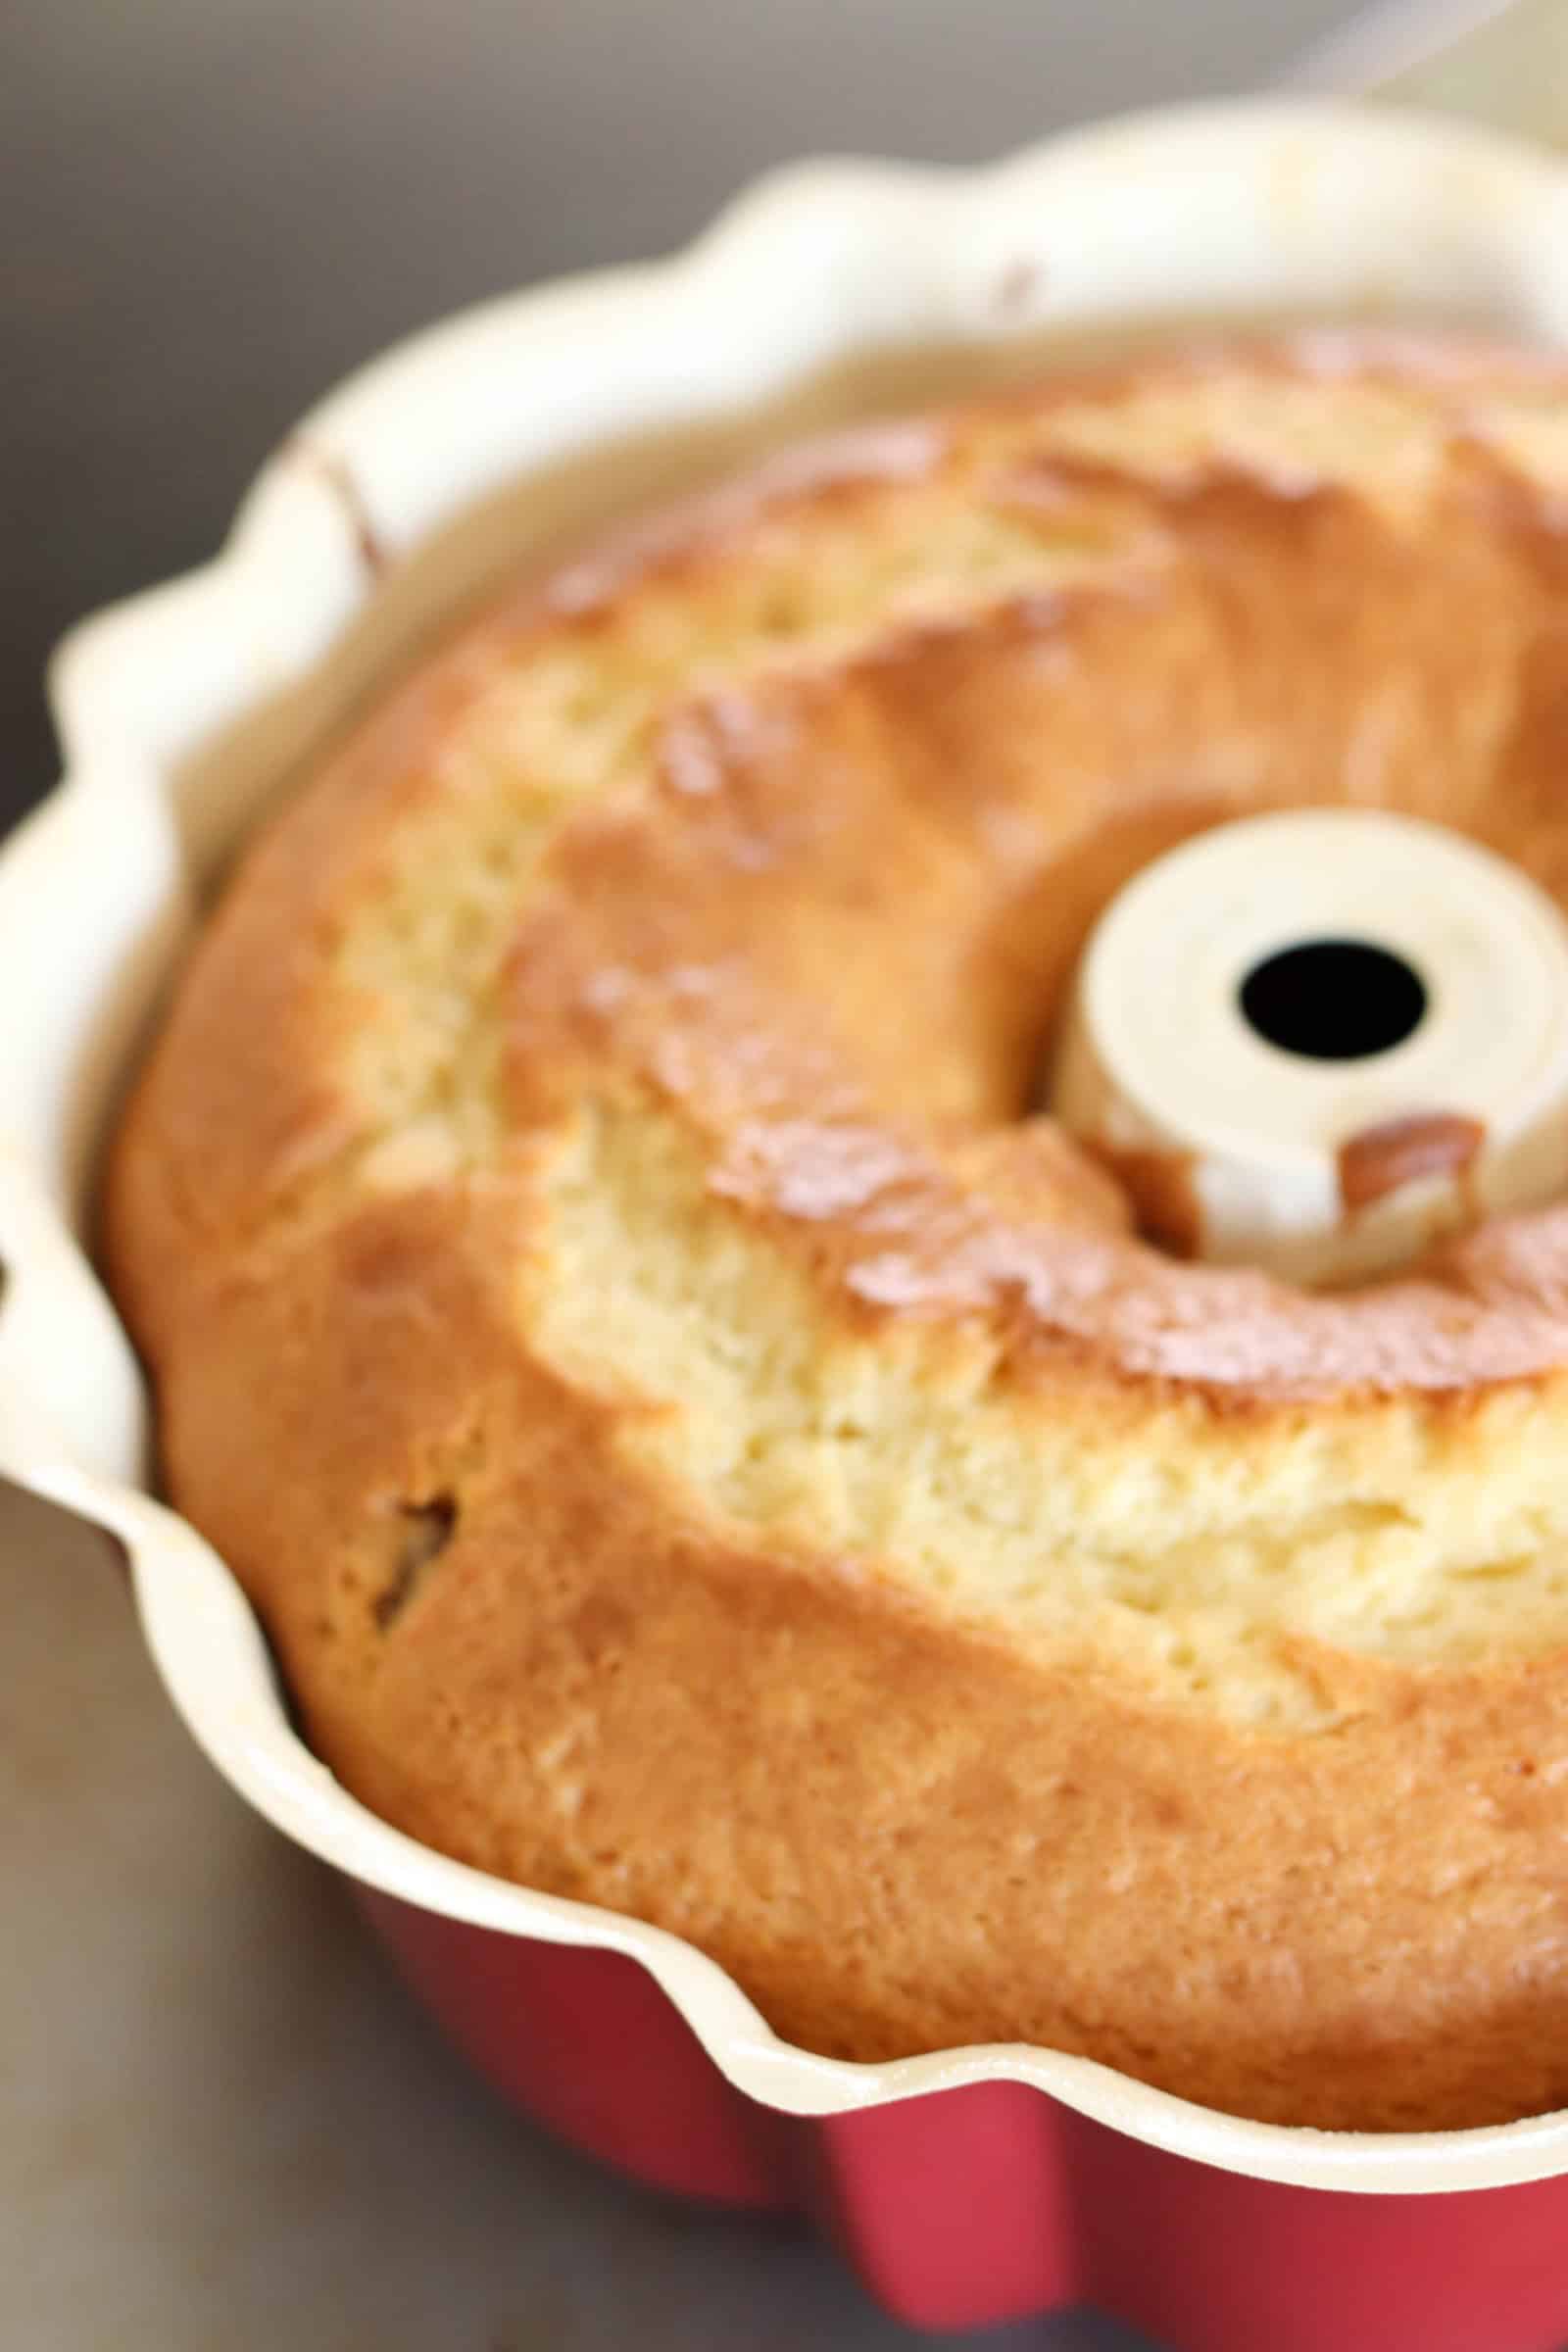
{"x": 995, "y": 2201}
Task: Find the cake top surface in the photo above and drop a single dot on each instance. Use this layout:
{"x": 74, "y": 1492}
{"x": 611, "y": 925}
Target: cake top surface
{"x": 698, "y": 916}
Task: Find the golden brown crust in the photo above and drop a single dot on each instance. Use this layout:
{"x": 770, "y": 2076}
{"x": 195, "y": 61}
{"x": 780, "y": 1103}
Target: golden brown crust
{"x": 896, "y": 1832}
{"x": 697, "y": 1445}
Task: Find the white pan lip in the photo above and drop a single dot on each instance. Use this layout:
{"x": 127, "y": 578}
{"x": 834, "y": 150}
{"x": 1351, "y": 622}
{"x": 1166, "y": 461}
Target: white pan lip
{"x": 1225, "y": 208}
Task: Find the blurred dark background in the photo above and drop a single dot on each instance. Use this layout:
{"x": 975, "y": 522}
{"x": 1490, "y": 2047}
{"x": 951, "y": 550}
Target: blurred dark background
{"x": 215, "y": 207}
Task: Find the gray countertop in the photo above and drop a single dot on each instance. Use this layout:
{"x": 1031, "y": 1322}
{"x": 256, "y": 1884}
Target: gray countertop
{"x": 221, "y": 2124}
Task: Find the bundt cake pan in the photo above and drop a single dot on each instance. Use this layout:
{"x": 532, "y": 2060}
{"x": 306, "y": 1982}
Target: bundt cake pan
{"x": 976, "y": 2184}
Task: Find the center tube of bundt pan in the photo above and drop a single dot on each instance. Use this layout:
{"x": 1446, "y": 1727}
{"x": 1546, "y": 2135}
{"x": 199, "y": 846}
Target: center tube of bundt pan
{"x": 1320, "y": 1043}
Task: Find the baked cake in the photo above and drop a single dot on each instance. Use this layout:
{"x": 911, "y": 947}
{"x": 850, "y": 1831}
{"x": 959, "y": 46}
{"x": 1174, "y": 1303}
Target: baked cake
{"x": 701, "y": 1443}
